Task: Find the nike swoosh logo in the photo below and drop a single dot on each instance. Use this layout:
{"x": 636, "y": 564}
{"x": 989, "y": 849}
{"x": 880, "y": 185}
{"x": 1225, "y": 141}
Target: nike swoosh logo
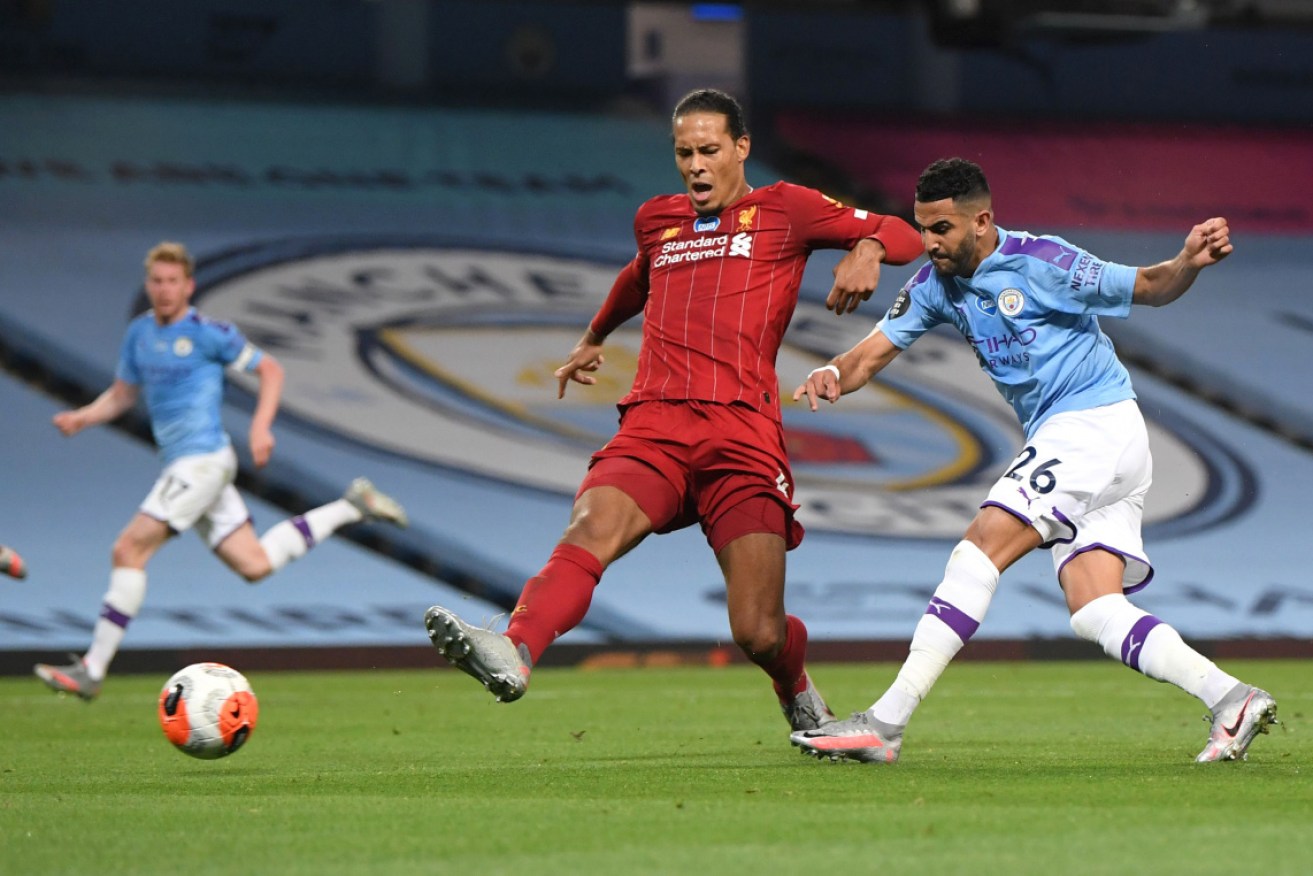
{"x": 1235, "y": 728}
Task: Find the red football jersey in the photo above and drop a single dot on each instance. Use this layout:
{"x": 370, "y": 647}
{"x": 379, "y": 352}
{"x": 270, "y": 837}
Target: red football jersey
{"x": 721, "y": 290}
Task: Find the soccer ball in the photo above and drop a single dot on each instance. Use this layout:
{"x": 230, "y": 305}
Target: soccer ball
{"x": 208, "y": 710}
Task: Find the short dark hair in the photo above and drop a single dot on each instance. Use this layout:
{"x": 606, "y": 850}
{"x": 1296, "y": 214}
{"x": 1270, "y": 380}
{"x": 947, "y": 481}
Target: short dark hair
{"x": 954, "y": 178}
{"x": 712, "y": 100}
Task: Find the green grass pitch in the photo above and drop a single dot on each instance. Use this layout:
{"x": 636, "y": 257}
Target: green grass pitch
{"x": 1039, "y": 768}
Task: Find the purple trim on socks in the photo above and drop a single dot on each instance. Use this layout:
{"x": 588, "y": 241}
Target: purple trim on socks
{"x": 114, "y": 616}
{"x": 1132, "y": 644}
{"x": 304, "y": 528}
{"x": 958, "y": 621}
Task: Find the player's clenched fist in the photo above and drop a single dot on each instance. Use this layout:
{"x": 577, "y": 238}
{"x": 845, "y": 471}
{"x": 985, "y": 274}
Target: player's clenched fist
{"x": 1209, "y": 242}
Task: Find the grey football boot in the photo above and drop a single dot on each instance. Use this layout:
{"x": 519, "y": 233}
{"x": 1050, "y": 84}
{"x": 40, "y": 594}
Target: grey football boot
{"x": 374, "y": 504}
{"x": 73, "y": 678}
{"x": 490, "y": 657}
{"x": 1242, "y": 714}
{"x": 807, "y": 710}
{"x": 861, "y": 738}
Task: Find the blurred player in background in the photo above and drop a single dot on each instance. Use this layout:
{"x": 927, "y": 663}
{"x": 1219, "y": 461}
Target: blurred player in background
{"x": 176, "y": 358}
{"x": 1030, "y": 306}
{"x": 11, "y": 563}
{"x": 700, "y": 440}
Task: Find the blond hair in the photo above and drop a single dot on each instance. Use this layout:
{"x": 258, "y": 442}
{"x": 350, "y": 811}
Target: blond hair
{"x": 171, "y": 253}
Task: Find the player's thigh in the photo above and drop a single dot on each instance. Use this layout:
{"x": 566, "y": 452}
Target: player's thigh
{"x": 1076, "y": 463}
{"x": 1114, "y": 530}
{"x": 1002, "y": 536}
{"x": 753, "y": 565}
{"x": 242, "y": 552}
{"x": 610, "y": 513}
{"x": 1091, "y": 574}
{"x": 188, "y": 487}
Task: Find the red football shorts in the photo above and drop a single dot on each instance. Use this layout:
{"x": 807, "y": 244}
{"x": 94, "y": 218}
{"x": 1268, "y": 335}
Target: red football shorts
{"x": 687, "y": 462}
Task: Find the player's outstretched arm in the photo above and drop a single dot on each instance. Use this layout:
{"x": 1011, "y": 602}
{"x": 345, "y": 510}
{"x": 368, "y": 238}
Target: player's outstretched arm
{"x": 848, "y": 371}
{"x": 270, "y": 372}
{"x": 109, "y": 405}
{"x": 626, "y": 299}
{"x": 1207, "y": 244}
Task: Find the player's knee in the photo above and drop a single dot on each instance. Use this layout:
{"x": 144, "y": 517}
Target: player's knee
{"x": 760, "y": 640}
{"x": 255, "y": 570}
{"x": 598, "y": 533}
{"x": 252, "y": 568}
{"x": 119, "y": 554}
{"x": 586, "y": 525}
{"x": 127, "y": 553}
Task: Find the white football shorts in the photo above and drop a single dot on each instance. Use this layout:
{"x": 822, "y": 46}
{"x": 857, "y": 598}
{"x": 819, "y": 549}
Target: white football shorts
{"x": 1081, "y": 481}
{"x": 198, "y": 491}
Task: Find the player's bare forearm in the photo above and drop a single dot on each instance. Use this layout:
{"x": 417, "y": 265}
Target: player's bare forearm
{"x": 848, "y": 371}
{"x": 1207, "y": 244}
{"x": 109, "y": 405}
{"x": 272, "y": 376}
{"x": 585, "y": 358}
{"x": 856, "y": 276}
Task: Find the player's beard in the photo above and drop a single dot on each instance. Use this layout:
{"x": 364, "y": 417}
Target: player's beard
{"x": 957, "y": 260}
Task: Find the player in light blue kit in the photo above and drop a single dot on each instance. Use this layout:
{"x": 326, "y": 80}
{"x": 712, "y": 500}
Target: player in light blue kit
{"x": 1029, "y": 306}
{"x": 176, "y": 358}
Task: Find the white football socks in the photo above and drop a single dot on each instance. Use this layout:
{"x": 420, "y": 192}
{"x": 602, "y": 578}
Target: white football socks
{"x": 290, "y": 539}
{"x": 123, "y": 599}
{"x": 959, "y": 605}
{"x": 1151, "y": 647}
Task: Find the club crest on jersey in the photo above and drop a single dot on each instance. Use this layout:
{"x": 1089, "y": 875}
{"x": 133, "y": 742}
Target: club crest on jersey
{"x": 746, "y": 217}
{"x": 703, "y": 224}
{"x": 673, "y": 232}
{"x": 1011, "y": 302}
{"x": 182, "y": 347}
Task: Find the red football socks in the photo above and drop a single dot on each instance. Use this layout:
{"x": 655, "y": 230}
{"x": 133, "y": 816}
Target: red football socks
{"x": 787, "y": 670}
{"x": 555, "y": 600}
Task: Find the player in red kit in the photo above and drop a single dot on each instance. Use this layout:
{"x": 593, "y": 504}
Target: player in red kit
{"x": 716, "y": 278}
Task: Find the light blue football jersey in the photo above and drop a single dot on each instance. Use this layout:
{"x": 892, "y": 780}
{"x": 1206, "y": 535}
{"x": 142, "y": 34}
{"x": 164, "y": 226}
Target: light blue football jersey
{"x": 179, "y": 370}
{"x": 1030, "y": 311}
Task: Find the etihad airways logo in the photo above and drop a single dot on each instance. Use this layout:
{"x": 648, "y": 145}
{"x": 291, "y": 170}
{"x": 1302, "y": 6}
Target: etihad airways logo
{"x": 443, "y": 354}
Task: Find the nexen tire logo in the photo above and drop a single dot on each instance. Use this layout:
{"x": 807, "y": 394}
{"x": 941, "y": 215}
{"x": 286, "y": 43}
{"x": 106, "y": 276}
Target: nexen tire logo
{"x": 444, "y": 354}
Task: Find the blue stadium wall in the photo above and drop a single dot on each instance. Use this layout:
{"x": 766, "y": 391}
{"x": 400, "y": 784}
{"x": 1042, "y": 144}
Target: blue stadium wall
{"x": 421, "y": 271}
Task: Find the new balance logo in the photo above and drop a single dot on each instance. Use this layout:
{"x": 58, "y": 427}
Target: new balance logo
{"x": 782, "y": 484}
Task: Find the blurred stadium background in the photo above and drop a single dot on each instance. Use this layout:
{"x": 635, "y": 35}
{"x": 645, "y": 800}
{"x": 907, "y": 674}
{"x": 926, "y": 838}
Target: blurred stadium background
{"x": 417, "y": 204}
